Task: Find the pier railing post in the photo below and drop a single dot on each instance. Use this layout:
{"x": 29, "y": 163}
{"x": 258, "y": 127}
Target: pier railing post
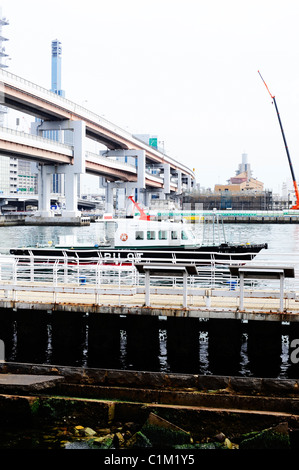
{"x": 241, "y": 305}
{"x": 65, "y": 268}
{"x": 281, "y": 291}
{"x": 55, "y": 280}
{"x": 147, "y": 288}
{"x": 15, "y": 270}
{"x": 185, "y": 289}
{"x": 98, "y": 282}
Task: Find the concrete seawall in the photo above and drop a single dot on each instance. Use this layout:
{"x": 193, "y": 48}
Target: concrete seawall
{"x": 23, "y": 219}
{"x": 253, "y": 219}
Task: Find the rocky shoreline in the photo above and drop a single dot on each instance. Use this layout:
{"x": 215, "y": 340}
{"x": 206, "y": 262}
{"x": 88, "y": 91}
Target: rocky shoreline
{"x": 155, "y": 433}
{"x": 129, "y": 410}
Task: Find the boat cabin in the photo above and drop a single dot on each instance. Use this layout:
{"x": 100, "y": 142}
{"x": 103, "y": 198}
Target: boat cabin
{"x": 148, "y": 234}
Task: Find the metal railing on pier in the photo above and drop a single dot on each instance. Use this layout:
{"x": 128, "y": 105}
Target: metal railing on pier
{"x": 100, "y": 281}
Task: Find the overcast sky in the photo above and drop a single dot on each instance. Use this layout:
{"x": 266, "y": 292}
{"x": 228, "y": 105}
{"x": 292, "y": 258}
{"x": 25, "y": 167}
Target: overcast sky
{"x": 186, "y": 71}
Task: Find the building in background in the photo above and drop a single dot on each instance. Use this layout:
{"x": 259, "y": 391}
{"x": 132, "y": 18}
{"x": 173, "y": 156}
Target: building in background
{"x": 244, "y": 167}
{"x": 56, "y": 63}
{"x": 233, "y": 200}
{"x": 4, "y": 175}
{"x": 242, "y": 192}
{"x": 4, "y": 161}
{"x": 242, "y": 181}
{"x": 27, "y": 179}
{"x": 59, "y": 136}
{"x": 15, "y": 174}
{"x": 56, "y": 68}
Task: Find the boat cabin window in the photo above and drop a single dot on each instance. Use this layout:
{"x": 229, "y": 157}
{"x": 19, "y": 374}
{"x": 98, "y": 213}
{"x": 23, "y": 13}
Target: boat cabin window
{"x": 151, "y": 235}
{"x": 162, "y": 234}
{"x": 139, "y": 235}
{"x": 184, "y": 235}
{"x": 174, "y": 235}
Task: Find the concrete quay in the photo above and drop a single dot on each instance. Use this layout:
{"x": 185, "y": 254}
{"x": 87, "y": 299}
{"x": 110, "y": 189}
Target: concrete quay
{"x": 24, "y": 219}
{"x": 57, "y": 220}
{"x": 260, "y": 219}
{"x": 12, "y": 220}
{"x": 235, "y": 216}
{"x": 220, "y": 303}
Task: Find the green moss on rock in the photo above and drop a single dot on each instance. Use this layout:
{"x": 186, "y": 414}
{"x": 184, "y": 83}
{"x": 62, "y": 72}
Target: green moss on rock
{"x": 267, "y": 439}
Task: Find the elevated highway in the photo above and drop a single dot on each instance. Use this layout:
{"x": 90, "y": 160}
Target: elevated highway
{"x": 25, "y": 96}
{"x": 31, "y": 147}
{"x": 60, "y": 114}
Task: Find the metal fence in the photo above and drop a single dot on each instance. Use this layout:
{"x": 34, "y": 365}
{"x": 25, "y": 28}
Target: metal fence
{"x": 101, "y": 278}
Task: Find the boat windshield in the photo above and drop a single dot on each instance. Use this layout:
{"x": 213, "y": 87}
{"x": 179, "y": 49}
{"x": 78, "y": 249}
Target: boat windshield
{"x": 164, "y": 235}
{"x": 187, "y": 235}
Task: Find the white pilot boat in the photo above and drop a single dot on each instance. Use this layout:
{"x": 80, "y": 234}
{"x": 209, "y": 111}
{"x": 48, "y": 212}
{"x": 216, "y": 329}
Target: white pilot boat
{"x": 140, "y": 238}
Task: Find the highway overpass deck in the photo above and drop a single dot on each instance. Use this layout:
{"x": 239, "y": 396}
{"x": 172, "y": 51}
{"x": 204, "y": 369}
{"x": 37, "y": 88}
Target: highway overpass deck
{"x": 31, "y": 147}
{"x": 25, "y": 96}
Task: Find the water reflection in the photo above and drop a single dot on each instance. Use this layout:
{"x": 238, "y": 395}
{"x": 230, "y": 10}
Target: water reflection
{"x": 221, "y": 347}
{"x": 280, "y": 237}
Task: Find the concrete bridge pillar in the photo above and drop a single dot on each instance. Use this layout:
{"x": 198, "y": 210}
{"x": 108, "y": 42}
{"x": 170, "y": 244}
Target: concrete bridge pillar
{"x": 130, "y": 191}
{"x": 166, "y": 185}
{"x": 71, "y": 194}
{"x": 147, "y": 198}
{"x": 179, "y": 190}
{"x": 140, "y": 169}
{"x": 71, "y": 172}
{"x": 44, "y": 190}
{"x": 109, "y": 198}
{"x": 132, "y": 157}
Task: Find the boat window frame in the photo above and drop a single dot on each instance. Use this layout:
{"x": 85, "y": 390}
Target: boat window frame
{"x": 139, "y": 235}
{"x": 152, "y": 236}
{"x": 160, "y": 237}
{"x": 172, "y": 235}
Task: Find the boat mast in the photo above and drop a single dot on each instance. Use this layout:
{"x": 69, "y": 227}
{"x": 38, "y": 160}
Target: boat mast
{"x": 296, "y": 206}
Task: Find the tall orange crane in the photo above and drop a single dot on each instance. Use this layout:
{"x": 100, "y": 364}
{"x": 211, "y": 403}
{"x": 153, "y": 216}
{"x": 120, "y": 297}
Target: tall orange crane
{"x": 296, "y": 206}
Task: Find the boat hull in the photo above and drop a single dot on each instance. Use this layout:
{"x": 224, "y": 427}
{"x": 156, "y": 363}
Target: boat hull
{"x": 198, "y": 255}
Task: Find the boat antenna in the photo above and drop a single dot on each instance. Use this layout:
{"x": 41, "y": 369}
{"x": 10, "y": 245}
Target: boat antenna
{"x": 143, "y": 215}
{"x": 296, "y": 206}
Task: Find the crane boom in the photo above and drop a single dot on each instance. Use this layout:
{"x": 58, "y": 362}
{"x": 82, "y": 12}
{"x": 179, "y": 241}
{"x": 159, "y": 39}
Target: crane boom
{"x": 296, "y": 206}
{"x": 143, "y": 215}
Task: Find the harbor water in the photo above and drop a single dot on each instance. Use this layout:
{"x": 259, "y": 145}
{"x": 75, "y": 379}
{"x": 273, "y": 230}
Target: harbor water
{"x": 184, "y": 345}
{"x": 281, "y": 238}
